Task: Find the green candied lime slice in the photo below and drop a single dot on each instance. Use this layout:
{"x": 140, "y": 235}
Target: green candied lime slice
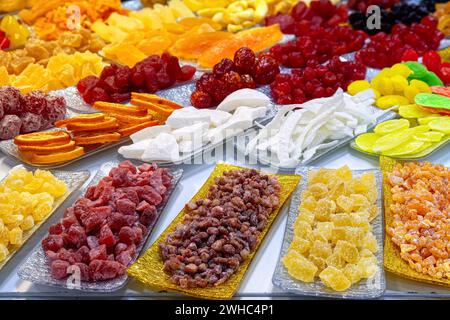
{"x": 432, "y": 136}
{"x": 427, "y": 120}
{"x": 412, "y": 111}
{"x": 409, "y": 147}
{"x": 391, "y": 126}
{"x": 432, "y": 100}
{"x": 366, "y": 141}
{"x": 442, "y": 124}
{"x": 391, "y": 140}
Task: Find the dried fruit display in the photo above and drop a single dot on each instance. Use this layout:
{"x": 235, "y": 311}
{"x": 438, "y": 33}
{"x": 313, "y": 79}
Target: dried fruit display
{"x": 101, "y": 231}
{"x": 116, "y": 83}
{"x": 395, "y": 86}
{"x": 14, "y": 31}
{"x": 224, "y": 229}
{"x": 319, "y": 13}
{"x": 333, "y": 237}
{"x": 315, "y": 81}
{"x": 318, "y": 45}
{"x": 385, "y": 50}
{"x": 418, "y": 224}
{"x": 246, "y": 70}
{"x": 50, "y": 18}
{"x": 443, "y": 15}
{"x": 34, "y": 111}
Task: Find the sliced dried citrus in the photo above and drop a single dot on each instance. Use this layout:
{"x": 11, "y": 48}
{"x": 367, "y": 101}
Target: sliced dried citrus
{"x": 391, "y": 140}
{"x": 408, "y": 147}
{"x": 126, "y": 131}
{"x": 83, "y": 118}
{"x": 162, "y": 110}
{"x": 155, "y": 99}
{"x": 57, "y": 147}
{"x": 132, "y": 119}
{"x": 57, "y": 157}
{"x": 42, "y": 138}
{"x": 432, "y": 136}
{"x": 107, "y": 123}
{"x": 116, "y": 108}
{"x": 97, "y": 138}
{"x": 442, "y": 124}
{"x": 366, "y": 141}
{"x": 391, "y": 126}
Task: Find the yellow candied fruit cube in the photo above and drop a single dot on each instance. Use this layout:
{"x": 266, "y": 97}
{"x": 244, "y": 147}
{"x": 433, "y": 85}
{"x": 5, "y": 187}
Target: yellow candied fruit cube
{"x": 358, "y": 86}
{"x": 351, "y": 234}
{"x": 300, "y": 245}
{"x": 319, "y": 262}
{"x": 15, "y": 236}
{"x": 302, "y": 229}
{"x": 321, "y": 249}
{"x": 306, "y": 215}
{"x": 347, "y": 251}
{"x": 12, "y": 219}
{"x": 344, "y": 173}
{"x": 308, "y": 202}
{"x": 359, "y": 202}
{"x": 321, "y": 175}
{"x": 335, "y": 279}
{"x": 325, "y": 208}
{"x": 352, "y": 272}
{"x": 370, "y": 242}
{"x": 341, "y": 220}
{"x": 368, "y": 267}
{"x": 4, "y": 252}
{"x": 345, "y": 203}
{"x": 335, "y": 260}
{"x": 27, "y": 223}
{"x": 6, "y": 209}
{"x": 318, "y": 190}
{"x": 323, "y": 231}
{"x": 339, "y": 188}
{"x": 360, "y": 221}
{"x": 299, "y": 267}
{"x": 34, "y": 186}
{"x": 44, "y": 197}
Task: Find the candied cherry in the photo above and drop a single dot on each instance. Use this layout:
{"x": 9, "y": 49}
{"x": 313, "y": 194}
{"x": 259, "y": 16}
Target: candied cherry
{"x": 200, "y": 99}
{"x": 244, "y": 60}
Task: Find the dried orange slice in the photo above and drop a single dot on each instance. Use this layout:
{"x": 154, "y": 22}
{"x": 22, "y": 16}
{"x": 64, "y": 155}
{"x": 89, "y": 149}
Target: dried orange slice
{"x": 126, "y": 131}
{"x": 193, "y": 45}
{"x": 83, "y": 118}
{"x": 97, "y": 138}
{"x": 133, "y": 119}
{"x": 116, "y": 108}
{"x": 108, "y": 123}
{"x": 57, "y": 147}
{"x": 42, "y": 138}
{"x": 57, "y": 157}
{"x": 155, "y": 99}
{"x": 162, "y": 110}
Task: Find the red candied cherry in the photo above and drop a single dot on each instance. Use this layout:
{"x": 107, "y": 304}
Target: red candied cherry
{"x": 309, "y": 73}
{"x": 187, "y": 72}
{"x": 430, "y": 21}
{"x": 200, "y": 99}
{"x": 319, "y": 92}
{"x": 244, "y": 60}
{"x": 206, "y": 82}
{"x": 224, "y": 66}
{"x": 96, "y": 94}
{"x": 219, "y": 91}
{"x": 296, "y": 60}
{"x": 266, "y": 69}
{"x": 285, "y": 99}
{"x": 87, "y": 84}
{"x": 329, "y": 91}
{"x": 248, "y": 81}
{"x": 432, "y": 60}
{"x": 232, "y": 80}
{"x": 329, "y": 78}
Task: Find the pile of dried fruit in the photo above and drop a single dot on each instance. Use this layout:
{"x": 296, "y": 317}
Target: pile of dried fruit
{"x": 420, "y": 225}
{"x": 244, "y": 71}
{"x": 116, "y": 83}
{"x": 34, "y": 111}
{"x": 101, "y": 231}
{"x": 315, "y": 81}
{"x": 218, "y": 233}
{"x": 25, "y": 199}
{"x": 333, "y": 237}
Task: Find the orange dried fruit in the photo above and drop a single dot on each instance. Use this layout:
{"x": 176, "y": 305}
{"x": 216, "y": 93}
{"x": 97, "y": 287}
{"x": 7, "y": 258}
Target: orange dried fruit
{"x": 261, "y": 38}
{"x": 126, "y": 131}
{"x": 162, "y": 110}
{"x": 97, "y": 138}
{"x": 52, "y": 148}
{"x": 107, "y": 123}
{"x": 57, "y": 157}
{"x": 220, "y": 50}
{"x": 132, "y": 119}
{"x": 155, "y": 99}
{"x": 42, "y": 138}
{"x": 192, "y": 22}
{"x": 83, "y": 118}
{"x": 116, "y": 108}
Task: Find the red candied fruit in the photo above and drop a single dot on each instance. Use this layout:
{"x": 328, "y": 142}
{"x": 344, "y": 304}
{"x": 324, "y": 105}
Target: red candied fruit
{"x": 224, "y": 66}
{"x": 266, "y": 69}
{"x": 34, "y": 102}
{"x": 187, "y": 72}
{"x": 244, "y": 60}
{"x": 201, "y": 99}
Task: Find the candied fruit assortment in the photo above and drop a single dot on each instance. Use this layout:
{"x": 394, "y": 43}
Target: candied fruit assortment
{"x": 385, "y": 50}
{"x": 26, "y": 198}
{"x": 116, "y": 82}
{"x": 419, "y": 225}
{"x": 101, "y": 231}
{"x": 333, "y": 238}
{"x": 319, "y": 13}
{"x": 246, "y": 70}
{"x": 34, "y": 111}
{"x": 315, "y": 81}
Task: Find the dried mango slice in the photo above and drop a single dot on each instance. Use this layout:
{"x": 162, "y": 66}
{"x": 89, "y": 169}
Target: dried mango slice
{"x": 222, "y": 49}
{"x": 261, "y": 38}
{"x": 57, "y": 157}
{"x": 97, "y": 138}
{"x": 42, "y": 138}
{"x": 49, "y": 149}
{"x": 194, "y": 45}
{"x": 192, "y": 22}
{"x": 391, "y": 126}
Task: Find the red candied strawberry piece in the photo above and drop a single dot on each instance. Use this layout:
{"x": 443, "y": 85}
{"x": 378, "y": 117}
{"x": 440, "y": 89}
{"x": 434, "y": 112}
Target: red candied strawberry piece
{"x": 111, "y": 257}
{"x": 87, "y": 83}
{"x": 55, "y": 109}
{"x": 84, "y": 270}
{"x": 132, "y": 195}
{"x": 103, "y": 270}
{"x": 142, "y": 206}
{"x": 146, "y": 167}
{"x": 137, "y": 76}
{"x": 95, "y": 218}
{"x": 123, "y": 75}
{"x": 89, "y": 194}
{"x": 96, "y": 94}
{"x": 126, "y": 206}
{"x": 119, "y": 176}
{"x": 150, "y": 195}
{"x": 59, "y": 269}
{"x": 156, "y": 181}
{"x": 164, "y": 78}
{"x": 34, "y": 102}
{"x": 127, "y": 235}
{"x": 286, "y": 22}
{"x": 153, "y": 61}
{"x": 120, "y": 247}
{"x": 127, "y": 164}
{"x": 109, "y": 84}
{"x": 52, "y": 242}
{"x": 81, "y": 206}
{"x": 76, "y": 235}
{"x": 83, "y": 253}
{"x": 125, "y": 258}
{"x": 106, "y": 236}
{"x": 10, "y": 100}
{"x": 98, "y": 253}
{"x": 92, "y": 242}
{"x": 187, "y": 72}
{"x": 142, "y": 227}
{"x": 51, "y": 255}
{"x": 56, "y": 228}
{"x": 138, "y": 236}
{"x": 69, "y": 256}
{"x": 109, "y": 71}
{"x": 173, "y": 67}
{"x": 120, "y": 97}
{"x": 148, "y": 216}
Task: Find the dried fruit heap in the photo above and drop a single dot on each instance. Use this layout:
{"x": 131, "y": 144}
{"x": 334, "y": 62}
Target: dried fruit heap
{"x": 333, "y": 237}
{"x": 28, "y": 113}
{"x": 116, "y": 83}
{"x": 101, "y": 231}
{"x": 25, "y": 199}
{"x": 419, "y": 229}
{"x": 220, "y": 232}
{"x": 246, "y": 71}
{"x": 315, "y": 81}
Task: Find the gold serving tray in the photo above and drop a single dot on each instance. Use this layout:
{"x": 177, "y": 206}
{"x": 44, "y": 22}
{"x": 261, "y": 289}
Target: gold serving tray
{"x": 392, "y": 260}
{"x": 149, "y": 268}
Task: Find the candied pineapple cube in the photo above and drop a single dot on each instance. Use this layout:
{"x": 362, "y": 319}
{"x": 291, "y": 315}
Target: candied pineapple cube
{"x": 360, "y": 222}
{"x": 27, "y": 223}
{"x": 15, "y": 236}
{"x": 352, "y": 272}
{"x": 345, "y": 203}
{"x": 359, "y": 202}
{"x": 300, "y": 245}
{"x": 347, "y": 251}
{"x": 335, "y": 260}
{"x": 34, "y": 186}
{"x": 351, "y": 234}
{"x": 364, "y": 214}
{"x": 337, "y": 189}
{"x": 299, "y": 267}
{"x": 4, "y": 236}
{"x": 369, "y": 180}
{"x": 368, "y": 267}
{"x": 44, "y": 197}
{"x": 344, "y": 174}
{"x": 41, "y": 211}
{"x": 323, "y": 231}
{"x": 320, "y": 176}
{"x": 321, "y": 249}
{"x": 308, "y": 203}
{"x": 318, "y": 190}
{"x": 325, "y": 208}
{"x": 341, "y": 220}
{"x": 370, "y": 242}
{"x": 335, "y": 279}
{"x": 302, "y": 229}
{"x": 3, "y": 252}
{"x": 13, "y": 219}
{"x": 6, "y": 209}
{"x": 319, "y": 262}
{"x": 306, "y": 215}
{"x": 60, "y": 189}
{"x": 366, "y": 253}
